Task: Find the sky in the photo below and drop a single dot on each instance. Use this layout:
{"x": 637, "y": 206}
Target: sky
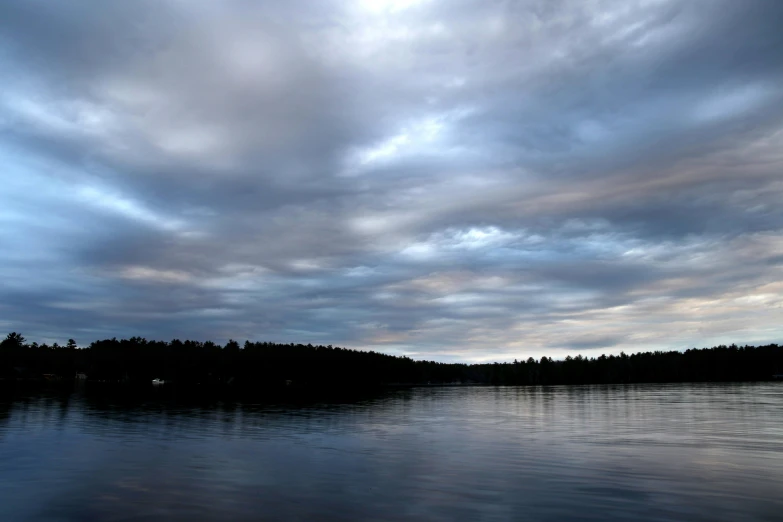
{"x": 456, "y": 180}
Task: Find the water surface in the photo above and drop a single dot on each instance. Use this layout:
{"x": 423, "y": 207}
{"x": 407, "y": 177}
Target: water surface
{"x": 667, "y": 452}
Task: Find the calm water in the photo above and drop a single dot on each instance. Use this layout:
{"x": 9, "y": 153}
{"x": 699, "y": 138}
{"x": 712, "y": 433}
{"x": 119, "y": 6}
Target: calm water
{"x": 675, "y": 452}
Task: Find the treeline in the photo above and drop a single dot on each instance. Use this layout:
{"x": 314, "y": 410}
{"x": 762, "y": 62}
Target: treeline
{"x": 269, "y": 365}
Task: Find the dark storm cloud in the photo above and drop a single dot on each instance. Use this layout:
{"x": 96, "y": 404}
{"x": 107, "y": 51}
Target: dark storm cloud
{"x": 458, "y": 180}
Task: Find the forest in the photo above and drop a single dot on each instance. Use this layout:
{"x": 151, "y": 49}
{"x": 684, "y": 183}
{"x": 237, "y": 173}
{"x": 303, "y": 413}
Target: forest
{"x": 258, "y": 366}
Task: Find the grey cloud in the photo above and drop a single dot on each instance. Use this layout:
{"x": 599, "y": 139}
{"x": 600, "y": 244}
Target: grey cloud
{"x": 450, "y": 180}
{"x": 593, "y": 344}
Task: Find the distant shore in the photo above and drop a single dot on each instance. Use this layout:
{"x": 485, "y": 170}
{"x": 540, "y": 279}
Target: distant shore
{"x": 261, "y": 367}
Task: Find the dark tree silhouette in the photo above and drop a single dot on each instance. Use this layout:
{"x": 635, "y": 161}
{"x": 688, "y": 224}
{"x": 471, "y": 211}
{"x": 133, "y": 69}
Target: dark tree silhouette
{"x": 13, "y": 340}
{"x": 258, "y": 366}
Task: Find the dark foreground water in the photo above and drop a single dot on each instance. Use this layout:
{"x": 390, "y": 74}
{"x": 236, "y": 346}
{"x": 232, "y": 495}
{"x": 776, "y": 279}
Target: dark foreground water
{"x": 674, "y": 452}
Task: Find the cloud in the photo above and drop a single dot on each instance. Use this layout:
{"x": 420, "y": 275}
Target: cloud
{"x": 468, "y": 180}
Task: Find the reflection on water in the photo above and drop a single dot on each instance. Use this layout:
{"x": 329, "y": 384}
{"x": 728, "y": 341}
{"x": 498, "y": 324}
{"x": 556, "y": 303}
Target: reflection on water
{"x": 674, "y": 452}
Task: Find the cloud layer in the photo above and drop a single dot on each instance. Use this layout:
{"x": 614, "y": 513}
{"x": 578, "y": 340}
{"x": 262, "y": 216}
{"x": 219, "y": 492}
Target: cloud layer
{"x": 456, "y": 180}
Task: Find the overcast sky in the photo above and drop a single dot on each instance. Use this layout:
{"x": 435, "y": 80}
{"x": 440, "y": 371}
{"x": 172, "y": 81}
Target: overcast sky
{"x": 454, "y": 180}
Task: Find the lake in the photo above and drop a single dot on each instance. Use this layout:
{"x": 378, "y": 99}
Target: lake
{"x": 638, "y": 452}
